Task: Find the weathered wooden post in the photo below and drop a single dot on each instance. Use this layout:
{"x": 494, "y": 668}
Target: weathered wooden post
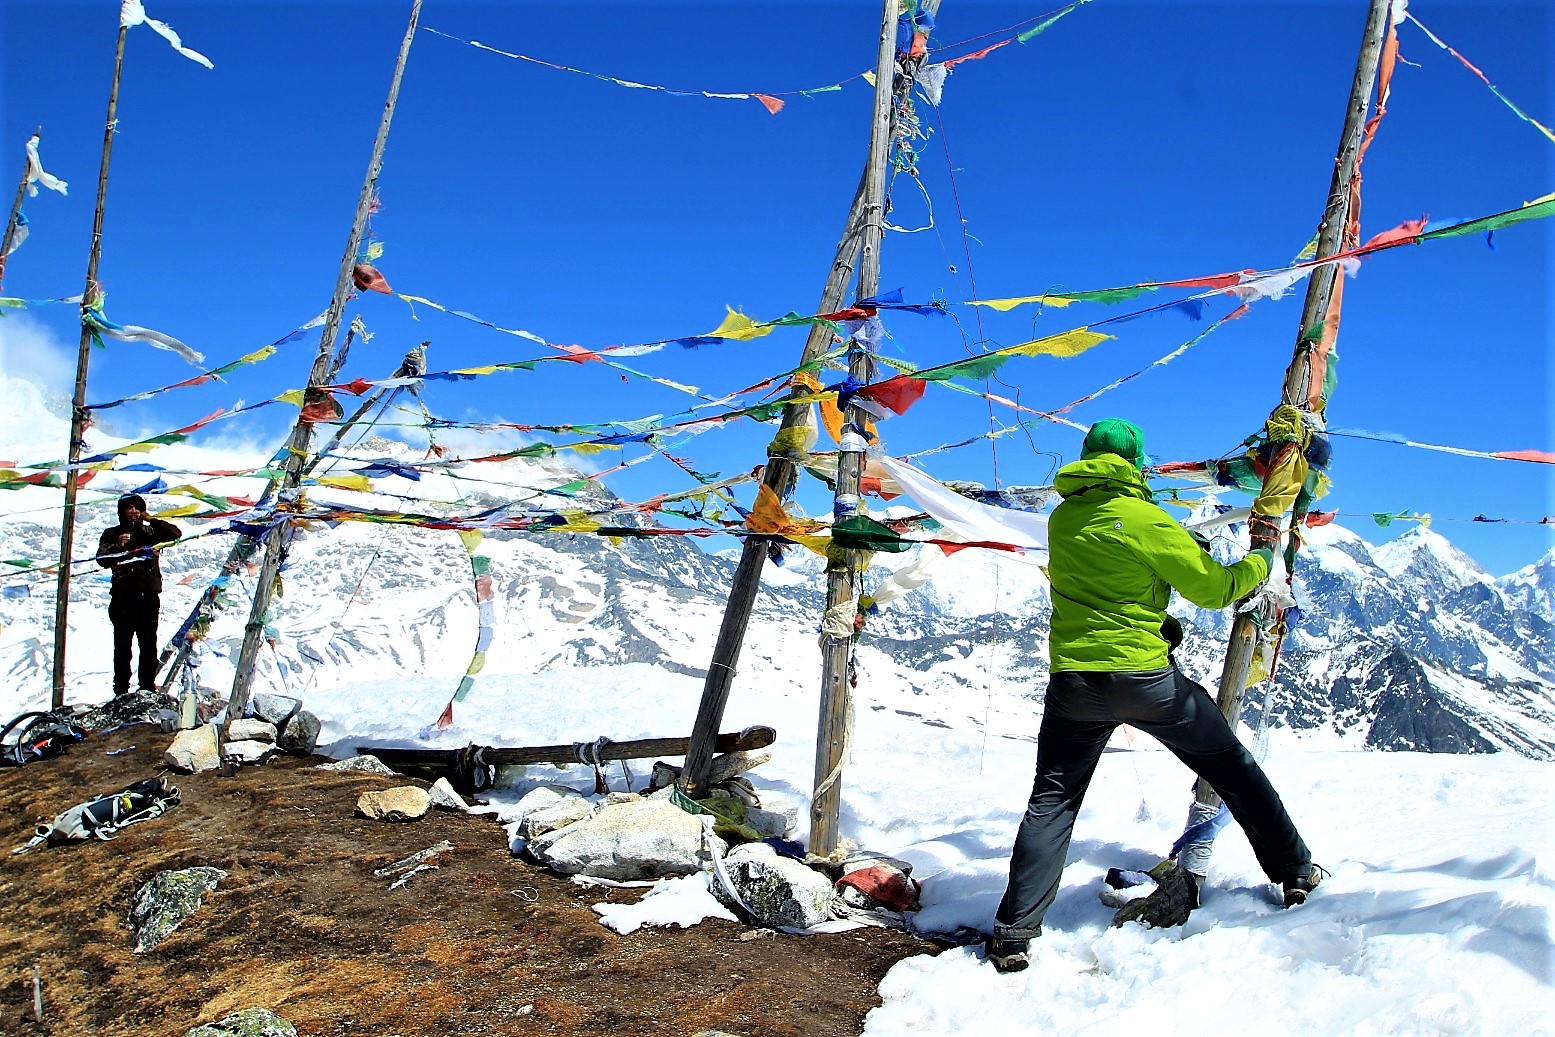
{"x": 67, "y": 530}
{"x": 778, "y": 475}
{"x": 1321, "y": 292}
{"x": 302, "y": 433}
{"x": 837, "y": 633}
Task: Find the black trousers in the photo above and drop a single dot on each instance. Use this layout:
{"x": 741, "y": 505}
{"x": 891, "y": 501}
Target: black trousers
{"x": 134, "y": 618}
{"x": 1082, "y": 711}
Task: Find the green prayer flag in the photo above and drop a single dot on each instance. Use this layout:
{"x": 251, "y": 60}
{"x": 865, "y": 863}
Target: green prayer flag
{"x": 1496, "y": 222}
{"x": 862, "y": 533}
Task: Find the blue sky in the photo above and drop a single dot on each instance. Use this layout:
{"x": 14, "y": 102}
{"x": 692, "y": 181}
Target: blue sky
{"x": 1131, "y": 142}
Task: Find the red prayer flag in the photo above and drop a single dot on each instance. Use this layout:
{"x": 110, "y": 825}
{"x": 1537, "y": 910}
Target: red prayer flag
{"x": 367, "y": 278}
{"x": 899, "y": 393}
{"x": 773, "y": 104}
{"x": 1320, "y": 518}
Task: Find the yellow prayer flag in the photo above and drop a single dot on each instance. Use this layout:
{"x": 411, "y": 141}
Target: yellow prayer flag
{"x": 738, "y": 326}
{"x": 1004, "y": 305}
{"x": 291, "y": 396}
{"x": 477, "y": 664}
{"x": 179, "y": 512}
{"x": 488, "y": 369}
{"x": 257, "y": 355}
{"x": 357, "y": 482}
{"x": 768, "y": 515}
{"x": 471, "y": 539}
{"x": 1068, "y": 344}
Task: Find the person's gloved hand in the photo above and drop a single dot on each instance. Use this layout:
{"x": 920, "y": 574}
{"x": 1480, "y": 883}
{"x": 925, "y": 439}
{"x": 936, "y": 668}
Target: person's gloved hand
{"x": 1266, "y": 554}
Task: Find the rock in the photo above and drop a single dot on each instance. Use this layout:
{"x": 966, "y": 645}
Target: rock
{"x": 251, "y": 730}
{"x": 273, "y": 708}
{"x": 300, "y": 736}
{"x": 772, "y": 824}
{"x": 624, "y": 841}
{"x": 777, "y": 890}
{"x": 136, "y": 707}
{"x": 248, "y": 751}
{"x": 363, "y": 764}
{"x": 405, "y": 803}
{"x": 536, "y": 799}
{"x": 664, "y": 775}
{"x": 622, "y": 797}
{"x": 194, "y": 750}
{"x": 442, "y": 794}
{"x": 164, "y": 902}
{"x": 560, "y": 814}
{"x": 250, "y": 1022}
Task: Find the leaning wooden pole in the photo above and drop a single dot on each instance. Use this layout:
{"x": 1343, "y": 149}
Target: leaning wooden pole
{"x": 778, "y": 475}
{"x": 67, "y": 530}
{"x": 13, "y": 221}
{"x": 1320, "y": 289}
{"x": 842, "y": 564}
{"x": 302, "y": 432}
{"x": 178, "y": 648}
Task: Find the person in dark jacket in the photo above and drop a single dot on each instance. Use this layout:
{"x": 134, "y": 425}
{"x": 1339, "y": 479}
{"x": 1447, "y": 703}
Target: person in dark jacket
{"x": 130, "y": 550}
{"x": 1115, "y": 557}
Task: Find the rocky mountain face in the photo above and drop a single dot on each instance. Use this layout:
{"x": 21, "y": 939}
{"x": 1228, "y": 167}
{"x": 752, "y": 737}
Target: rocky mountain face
{"x": 1408, "y": 646}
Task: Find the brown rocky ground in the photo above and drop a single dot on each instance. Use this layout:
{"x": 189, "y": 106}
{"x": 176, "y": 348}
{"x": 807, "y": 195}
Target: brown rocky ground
{"x": 485, "y": 944}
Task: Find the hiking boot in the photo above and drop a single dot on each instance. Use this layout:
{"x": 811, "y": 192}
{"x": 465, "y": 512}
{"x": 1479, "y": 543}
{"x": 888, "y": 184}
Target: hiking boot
{"x": 1303, "y": 882}
{"x": 1007, "y": 955}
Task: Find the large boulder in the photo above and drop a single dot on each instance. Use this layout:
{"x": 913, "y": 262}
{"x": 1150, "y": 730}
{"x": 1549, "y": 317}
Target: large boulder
{"x": 647, "y": 839}
{"x": 778, "y": 891}
{"x": 273, "y": 708}
{"x": 300, "y": 736}
{"x": 194, "y": 750}
{"x": 162, "y": 904}
{"x": 250, "y": 1022}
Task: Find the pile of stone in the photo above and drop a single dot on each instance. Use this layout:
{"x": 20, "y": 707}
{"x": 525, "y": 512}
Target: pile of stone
{"x": 764, "y": 877}
{"x": 278, "y": 724}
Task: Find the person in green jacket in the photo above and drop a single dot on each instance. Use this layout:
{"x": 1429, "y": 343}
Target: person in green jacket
{"x": 1114, "y": 558}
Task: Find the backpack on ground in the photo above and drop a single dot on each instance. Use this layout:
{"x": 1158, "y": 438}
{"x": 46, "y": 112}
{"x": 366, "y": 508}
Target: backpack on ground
{"x": 102, "y": 816}
{"x": 36, "y": 736}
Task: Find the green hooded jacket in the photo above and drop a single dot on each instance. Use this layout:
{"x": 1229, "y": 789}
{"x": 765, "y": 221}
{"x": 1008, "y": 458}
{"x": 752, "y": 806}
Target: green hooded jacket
{"x": 1115, "y": 556}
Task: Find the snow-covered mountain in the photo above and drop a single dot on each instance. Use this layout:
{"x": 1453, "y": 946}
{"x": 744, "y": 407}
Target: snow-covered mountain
{"x": 1408, "y": 646}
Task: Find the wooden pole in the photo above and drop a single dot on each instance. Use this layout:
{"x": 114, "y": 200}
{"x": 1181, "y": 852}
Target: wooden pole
{"x": 12, "y": 221}
{"x": 67, "y": 529}
{"x": 778, "y": 475}
{"x": 302, "y": 432}
{"x": 836, "y": 645}
{"x": 1239, "y": 653}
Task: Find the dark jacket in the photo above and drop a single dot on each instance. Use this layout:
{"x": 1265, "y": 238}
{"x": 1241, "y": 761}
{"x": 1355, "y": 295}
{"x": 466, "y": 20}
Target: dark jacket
{"x": 137, "y": 572}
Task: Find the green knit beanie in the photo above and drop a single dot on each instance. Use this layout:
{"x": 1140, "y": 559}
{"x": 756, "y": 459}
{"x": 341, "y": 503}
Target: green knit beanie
{"x": 1115, "y": 436}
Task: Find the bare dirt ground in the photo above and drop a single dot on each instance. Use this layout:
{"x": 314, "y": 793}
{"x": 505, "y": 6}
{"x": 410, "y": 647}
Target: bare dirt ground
{"x": 484, "y": 944}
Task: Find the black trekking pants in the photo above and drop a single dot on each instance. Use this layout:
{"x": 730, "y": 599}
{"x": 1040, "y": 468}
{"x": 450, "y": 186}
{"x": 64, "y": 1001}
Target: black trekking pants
{"x": 1082, "y": 711}
{"x": 134, "y": 618}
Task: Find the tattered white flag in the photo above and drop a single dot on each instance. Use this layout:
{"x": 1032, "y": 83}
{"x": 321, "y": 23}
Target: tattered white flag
{"x": 133, "y": 13}
{"x": 931, "y": 80}
{"x": 36, "y": 173}
{"x": 19, "y": 235}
